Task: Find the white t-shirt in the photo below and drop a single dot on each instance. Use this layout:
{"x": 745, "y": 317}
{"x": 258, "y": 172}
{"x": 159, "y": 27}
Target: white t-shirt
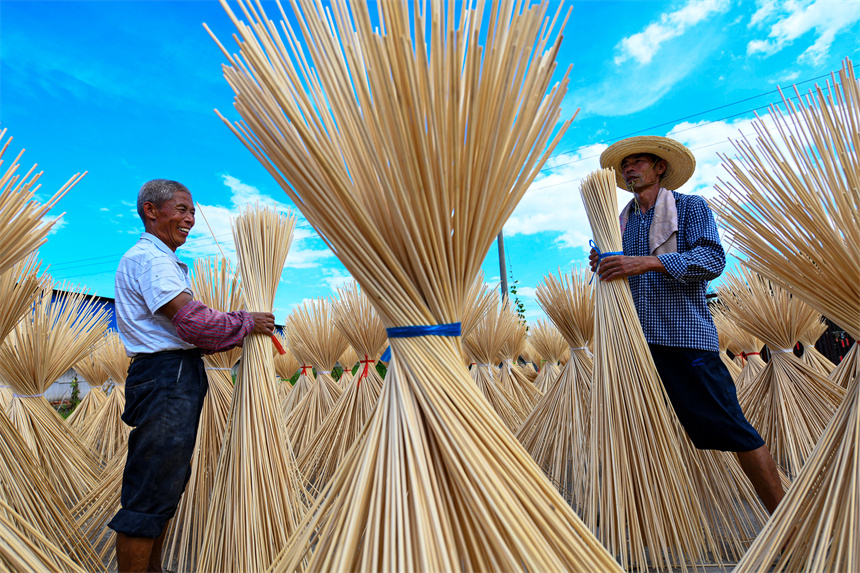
{"x": 149, "y": 276}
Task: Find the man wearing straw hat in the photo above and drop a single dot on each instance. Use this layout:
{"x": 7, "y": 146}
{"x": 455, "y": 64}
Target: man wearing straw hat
{"x": 671, "y": 251}
{"x": 165, "y": 332}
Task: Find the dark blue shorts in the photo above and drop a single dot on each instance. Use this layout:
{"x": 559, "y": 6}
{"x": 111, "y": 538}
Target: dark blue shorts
{"x": 164, "y": 395}
{"x": 705, "y": 399}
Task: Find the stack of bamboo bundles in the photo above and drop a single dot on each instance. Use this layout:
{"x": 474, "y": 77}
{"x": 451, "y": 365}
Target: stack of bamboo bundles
{"x": 550, "y": 345}
{"x": 848, "y": 369}
{"x": 787, "y": 402}
{"x": 23, "y": 226}
{"x": 639, "y": 491}
{"x": 47, "y": 341}
{"x": 555, "y": 433}
{"x": 511, "y": 376}
{"x": 218, "y": 287}
{"x": 312, "y": 328}
{"x": 257, "y": 498}
{"x": 93, "y": 371}
{"x": 360, "y": 324}
{"x": 793, "y": 203}
{"x": 410, "y": 142}
{"x": 725, "y": 332}
{"x": 104, "y": 432}
{"x": 811, "y": 356}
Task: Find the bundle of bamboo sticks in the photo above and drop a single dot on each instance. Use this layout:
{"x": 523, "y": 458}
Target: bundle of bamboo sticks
{"x": 409, "y": 141}
{"x": 92, "y": 370}
{"x": 312, "y": 328}
{"x": 555, "y": 433}
{"x": 23, "y": 226}
{"x": 95, "y": 509}
{"x": 725, "y": 333}
{"x": 550, "y": 345}
{"x": 20, "y": 285}
{"x": 305, "y": 381}
{"x": 750, "y": 346}
{"x": 793, "y": 203}
{"x": 217, "y": 286}
{"x": 511, "y": 376}
{"x": 811, "y": 356}
{"x": 639, "y": 491}
{"x": 482, "y": 346}
{"x": 848, "y": 368}
{"x": 347, "y": 362}
{"x": 531, "y": 359}
{"x": 57, "y": 333}
{"x": 787, "y": 402}
{"x": 26, "y": 550}
{"x": 105, "y": 432}
{"x": 257, "y": 498}
{"x": 360, "y": 324}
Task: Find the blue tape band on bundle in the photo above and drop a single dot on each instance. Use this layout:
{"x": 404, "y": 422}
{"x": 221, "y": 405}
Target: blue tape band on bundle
{"x": 386, "y": 356}
{"x": 601, "y": 256}
{"x": 451, "y": 329}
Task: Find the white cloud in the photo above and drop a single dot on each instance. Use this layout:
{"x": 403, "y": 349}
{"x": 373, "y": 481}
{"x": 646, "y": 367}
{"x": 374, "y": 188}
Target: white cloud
{"x": 336, "y": 278}
{"x": 201, "y": 243}
{"x": 643, "y": 45}
{"x": 58, "y": 223}
{"x": 790, "y": 20}
{"x": 104, "y": 209}
{"x": 553, "y": 203}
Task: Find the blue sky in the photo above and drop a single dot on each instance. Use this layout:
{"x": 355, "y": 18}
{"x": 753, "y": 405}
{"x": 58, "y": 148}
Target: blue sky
{"x": 126, "y": 91}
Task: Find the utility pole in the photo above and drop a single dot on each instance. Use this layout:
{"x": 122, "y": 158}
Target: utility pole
{"x": 502, "y": 266}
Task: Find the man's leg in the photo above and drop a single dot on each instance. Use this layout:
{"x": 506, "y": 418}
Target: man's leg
{"x": 155, "y": 555}
{"x": 760, "y": 468}
{"x": 133, "y": 553}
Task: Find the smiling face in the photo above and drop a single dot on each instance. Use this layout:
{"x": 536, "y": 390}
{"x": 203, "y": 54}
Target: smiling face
{"x": 642, "y": 170}
{"x": 172, "y": 221}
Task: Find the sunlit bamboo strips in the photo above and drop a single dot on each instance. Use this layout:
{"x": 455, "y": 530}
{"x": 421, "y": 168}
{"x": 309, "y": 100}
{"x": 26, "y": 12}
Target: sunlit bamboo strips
{"x": 848, "y": 368}
{"x": 257, "y": 498}
{"x": 811, "y": 355}
{"x": 511, "y": 376}
{"x": 24, "y": 549}
{"x": 24, "y": 487}
{"x": 217, "y": 286}
{"x": 23, "y": 226}
{"x": 414, "y": 156}
{"x": 798, "y": 224}
{"x": 788, "y": 402}
{"x": 639, "y": 490}
{"x": 555, "y": 433}
{"x": 105, "y": 432}
{"x": 528, "y": 354}
{"x": 90, "y": 369}
{"x": 356, "y": 318}
{"x": 45, "y": 343}
{"x": 725, "y": 330}
{"x": 19, "y": 287}
{"x": 315, "y": 332}
{"x": 482, "y": 346}
{"x": 550, "y": 345}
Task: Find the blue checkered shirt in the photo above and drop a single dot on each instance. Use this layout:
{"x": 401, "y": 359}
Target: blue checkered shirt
{"x": 672, "y": 307}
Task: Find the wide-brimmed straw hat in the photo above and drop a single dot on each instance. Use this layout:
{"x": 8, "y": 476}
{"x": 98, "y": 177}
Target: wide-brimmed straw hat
{"x": 680, "y": 161}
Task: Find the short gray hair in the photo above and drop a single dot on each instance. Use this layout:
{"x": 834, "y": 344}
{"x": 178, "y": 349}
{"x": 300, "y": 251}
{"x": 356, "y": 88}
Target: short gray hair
{"x": 158, "y": 192}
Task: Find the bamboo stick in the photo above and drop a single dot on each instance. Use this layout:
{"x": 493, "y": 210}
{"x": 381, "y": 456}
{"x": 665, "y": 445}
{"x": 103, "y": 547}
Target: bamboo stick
{"x": 811, "y": 356}
{"x": 511, "y": 376}
{"x": 24, "y": 549}
{"x": 550, "y": 345}
{"x": 843, "y": 374}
